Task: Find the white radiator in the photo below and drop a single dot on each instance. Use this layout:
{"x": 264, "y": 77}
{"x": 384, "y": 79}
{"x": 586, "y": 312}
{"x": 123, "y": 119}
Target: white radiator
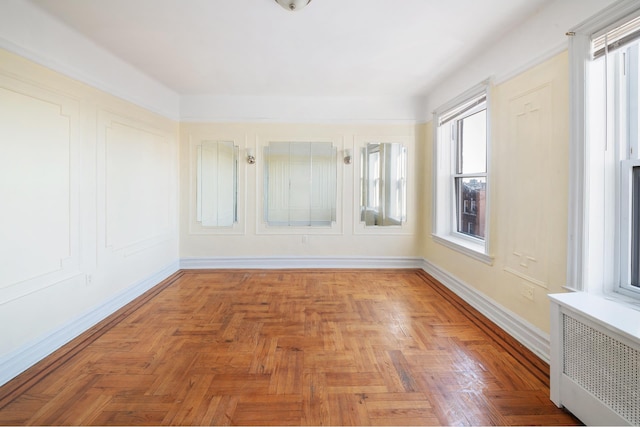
{"x": 595, "y": 359}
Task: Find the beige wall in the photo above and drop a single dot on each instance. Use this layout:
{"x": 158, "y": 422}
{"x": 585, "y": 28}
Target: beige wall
{"x": 91, "y": 185}
{"x": 89, "y": 206}
{"x": 529, "y": 194}
{"x": 252, "y": 237}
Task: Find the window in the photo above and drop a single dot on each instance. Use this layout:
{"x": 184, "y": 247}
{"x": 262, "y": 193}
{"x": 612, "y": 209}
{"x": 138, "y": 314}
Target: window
{"x": 616, "y": 57}
{"x": 604, "y": 230}
{"x": 300, "y": 184}
{"x": 460, "y": 197}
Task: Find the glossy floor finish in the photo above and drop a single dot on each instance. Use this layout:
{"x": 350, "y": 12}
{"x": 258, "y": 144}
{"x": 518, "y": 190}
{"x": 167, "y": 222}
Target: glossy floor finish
{"x": 305, "y": 347}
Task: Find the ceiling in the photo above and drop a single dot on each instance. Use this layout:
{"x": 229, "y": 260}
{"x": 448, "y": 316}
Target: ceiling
{"x": 330, "y": 48}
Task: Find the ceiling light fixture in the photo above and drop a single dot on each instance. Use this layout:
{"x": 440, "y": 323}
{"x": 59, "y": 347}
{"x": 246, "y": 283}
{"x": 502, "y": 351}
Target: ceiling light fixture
{"x": 293, "y": 5}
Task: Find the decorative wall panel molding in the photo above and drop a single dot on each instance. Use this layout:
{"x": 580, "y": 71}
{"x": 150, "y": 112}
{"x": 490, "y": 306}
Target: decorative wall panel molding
{"x": 409, "y": 227}
{"x": 195, "y": 142}
{"x": 39, "y": 235}
{"x": 336, "y": 227}
{"x": 528, "y": 145}
{"x": 135, "y": 171}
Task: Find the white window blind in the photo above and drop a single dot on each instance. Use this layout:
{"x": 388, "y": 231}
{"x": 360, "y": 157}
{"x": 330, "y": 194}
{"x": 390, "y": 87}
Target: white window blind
{"x": 616, "y": 37}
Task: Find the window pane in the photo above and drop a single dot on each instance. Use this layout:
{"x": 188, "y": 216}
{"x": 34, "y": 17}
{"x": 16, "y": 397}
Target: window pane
{"x": 472, "y": 154}
{"x": 470, "y": 205}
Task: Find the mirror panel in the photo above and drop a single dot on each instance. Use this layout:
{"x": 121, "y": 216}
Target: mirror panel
{"x": 383, "y": 177}
{"x": 300, "y": 180}
{"x": 217, "y": 184}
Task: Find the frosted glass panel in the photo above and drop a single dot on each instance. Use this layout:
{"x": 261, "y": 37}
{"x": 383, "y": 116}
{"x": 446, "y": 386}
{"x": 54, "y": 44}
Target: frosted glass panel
{"x": 383, "y": 177}
{"x": 300, "y": 183}
{"x": 217, "y": 184}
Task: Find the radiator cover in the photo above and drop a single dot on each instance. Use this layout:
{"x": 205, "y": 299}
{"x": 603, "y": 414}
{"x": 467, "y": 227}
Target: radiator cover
{"x": 595, "y": 367}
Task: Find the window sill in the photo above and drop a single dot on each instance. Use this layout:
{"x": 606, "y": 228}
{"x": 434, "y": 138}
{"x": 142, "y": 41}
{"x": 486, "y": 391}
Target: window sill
{"x": 619, "y": 298}
{"x": 468, "y": 248}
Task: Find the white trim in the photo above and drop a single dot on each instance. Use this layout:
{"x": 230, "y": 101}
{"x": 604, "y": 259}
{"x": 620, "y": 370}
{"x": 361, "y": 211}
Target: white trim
{"x": 467, "y": 248}
{"x": 625, "y": 200}
{"x": 287, "y": 262}
{"x": 577, "y": 234}
{"x": 240, "y": 119}
{"x": 154, "y": 106}
{"x": 475, "y": 91}
{"x": 19, "y": 360}
{"x": 526, "y": 333}
{"x": 444, "y": 224}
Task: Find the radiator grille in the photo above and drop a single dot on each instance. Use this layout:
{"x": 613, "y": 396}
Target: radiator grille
{"x": 604, "y": 366}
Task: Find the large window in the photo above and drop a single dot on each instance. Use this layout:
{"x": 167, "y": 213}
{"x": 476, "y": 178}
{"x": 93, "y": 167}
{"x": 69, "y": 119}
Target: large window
{"x": 460, "y": 202}
{"x": 605, "y": 226}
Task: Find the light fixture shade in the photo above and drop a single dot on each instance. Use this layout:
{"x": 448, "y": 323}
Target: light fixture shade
{"x": 293, "y": 4}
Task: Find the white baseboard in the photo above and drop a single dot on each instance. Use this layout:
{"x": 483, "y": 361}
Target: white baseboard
{"x": 299, "y": 262}
{"x": 526, "y": 333}
{"x": 19, "y": 360}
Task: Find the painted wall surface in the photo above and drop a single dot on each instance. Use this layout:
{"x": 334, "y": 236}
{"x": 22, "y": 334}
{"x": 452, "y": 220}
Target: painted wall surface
{"x": 528, "y": 43}
{"x": 529, "y": 170}
{"x": 88, "y": 196}
{"x": 30, "y": 32}
{"x": 251, "y": 236}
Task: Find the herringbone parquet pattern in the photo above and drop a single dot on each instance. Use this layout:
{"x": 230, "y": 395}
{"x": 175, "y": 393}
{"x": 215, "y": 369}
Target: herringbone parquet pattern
{"x": 288, "y": 348}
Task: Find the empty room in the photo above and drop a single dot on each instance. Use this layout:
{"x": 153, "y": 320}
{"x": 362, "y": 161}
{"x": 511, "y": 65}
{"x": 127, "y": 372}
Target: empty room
{"x": 319, "y": 212}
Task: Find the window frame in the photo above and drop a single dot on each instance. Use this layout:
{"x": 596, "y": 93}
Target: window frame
{"x": 444, "y": 218}
{"x": 609, "y": 275}
{"x": 458, "y": 171}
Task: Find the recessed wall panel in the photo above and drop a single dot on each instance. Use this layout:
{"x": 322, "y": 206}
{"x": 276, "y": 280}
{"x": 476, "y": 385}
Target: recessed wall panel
{"x": 138, "y": 185}
{"x": 529, "y": 148}
{"x": 38, "y": 188}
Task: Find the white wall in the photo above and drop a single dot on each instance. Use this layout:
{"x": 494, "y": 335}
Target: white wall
{"x": 539, "y": 38}
{"x": 31, "y": 33}
{"x": 89, "y": 217}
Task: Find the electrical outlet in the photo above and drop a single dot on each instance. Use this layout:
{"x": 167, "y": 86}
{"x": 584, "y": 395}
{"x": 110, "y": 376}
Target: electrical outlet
{"x": 528, "y": 291}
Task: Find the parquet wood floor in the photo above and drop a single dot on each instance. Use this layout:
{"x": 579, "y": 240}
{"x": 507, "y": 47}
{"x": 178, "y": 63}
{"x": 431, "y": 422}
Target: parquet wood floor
{"x": 304, "y": 347}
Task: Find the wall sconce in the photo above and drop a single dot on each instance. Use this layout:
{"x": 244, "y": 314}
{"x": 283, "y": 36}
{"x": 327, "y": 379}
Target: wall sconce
{"x": 251, "y": 158}
{"x": 347, "y": 156}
